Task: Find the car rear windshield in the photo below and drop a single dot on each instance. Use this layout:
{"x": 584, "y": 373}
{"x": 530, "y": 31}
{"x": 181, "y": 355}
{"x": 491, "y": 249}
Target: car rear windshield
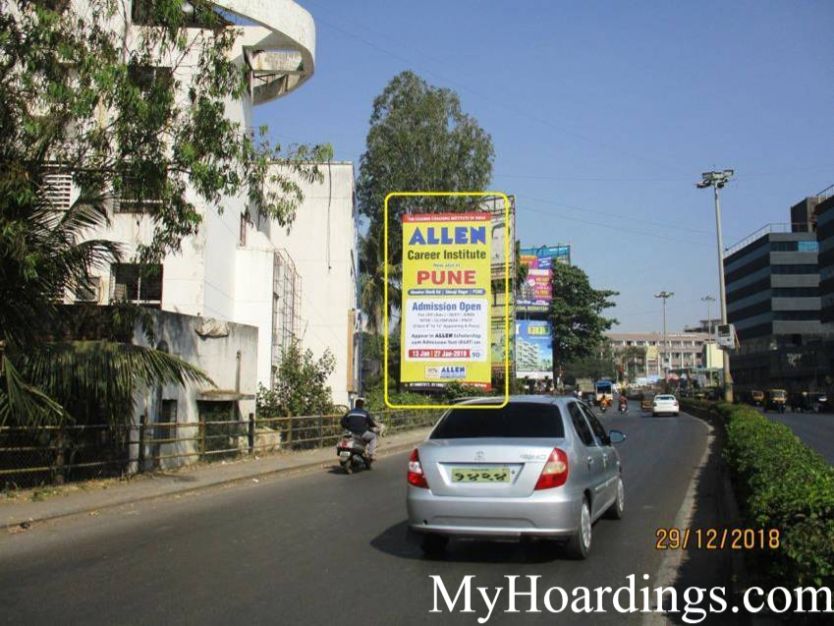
{"x": 519, "y": 419}
{"x": 665, "y": 398}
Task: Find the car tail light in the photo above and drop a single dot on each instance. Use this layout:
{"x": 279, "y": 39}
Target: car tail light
{"x": 415, "y": 471}
{"x": 555, "y": 471}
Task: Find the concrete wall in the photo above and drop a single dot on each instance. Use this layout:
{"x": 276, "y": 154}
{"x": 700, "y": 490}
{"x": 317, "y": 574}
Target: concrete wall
{"x": 322, "y": 243}
{"x": 217, "y": 357}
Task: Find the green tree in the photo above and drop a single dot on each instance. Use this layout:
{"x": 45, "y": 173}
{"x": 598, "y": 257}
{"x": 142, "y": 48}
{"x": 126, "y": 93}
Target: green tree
{"x": 576, "y": 316}
{"x": 419, "y": 140}
{"x": 48, "y": 374}
{"x": 300, "y": 385}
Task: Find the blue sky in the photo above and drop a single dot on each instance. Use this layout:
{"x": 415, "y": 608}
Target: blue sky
{"x": 603, "y": 115}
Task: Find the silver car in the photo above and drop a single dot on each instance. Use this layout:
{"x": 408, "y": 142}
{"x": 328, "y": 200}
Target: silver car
{"x": 541, "y": 466}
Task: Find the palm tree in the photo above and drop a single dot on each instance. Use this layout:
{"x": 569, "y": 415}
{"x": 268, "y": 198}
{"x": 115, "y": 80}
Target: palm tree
{"x": 372, "y": 283}
{"x": 47, "y": 376}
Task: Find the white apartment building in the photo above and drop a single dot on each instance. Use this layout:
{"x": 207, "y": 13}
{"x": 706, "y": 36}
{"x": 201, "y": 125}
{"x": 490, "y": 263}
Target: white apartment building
{"x": 679, "y": 351}
{"x": 239, "y": 290}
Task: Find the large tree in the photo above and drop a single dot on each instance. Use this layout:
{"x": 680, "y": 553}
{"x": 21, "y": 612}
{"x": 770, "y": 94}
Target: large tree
{"x": 129, "y": 114}
{"x": 419, "y": 140}
{"x": 576, "y": 315}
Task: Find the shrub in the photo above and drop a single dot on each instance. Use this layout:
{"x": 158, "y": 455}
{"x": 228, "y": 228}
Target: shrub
{"x": 783, "y": 484}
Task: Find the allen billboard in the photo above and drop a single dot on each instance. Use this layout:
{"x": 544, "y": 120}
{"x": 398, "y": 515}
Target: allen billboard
{"x": 446, "y": 298}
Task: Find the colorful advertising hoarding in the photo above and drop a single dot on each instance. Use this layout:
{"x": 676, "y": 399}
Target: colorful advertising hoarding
{"x": 446, "y": 301}
{"x": 534, "y": 349}
{"x": 536, "y": 293}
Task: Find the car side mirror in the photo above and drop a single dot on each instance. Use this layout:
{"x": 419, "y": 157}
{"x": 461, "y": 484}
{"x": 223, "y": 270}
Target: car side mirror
{"x": 616, "y": 436}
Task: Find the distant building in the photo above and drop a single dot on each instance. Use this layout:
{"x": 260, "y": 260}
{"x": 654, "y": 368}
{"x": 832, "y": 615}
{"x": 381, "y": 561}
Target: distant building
{"x": 681, "y": 351}
{"x": 775, "y": 294}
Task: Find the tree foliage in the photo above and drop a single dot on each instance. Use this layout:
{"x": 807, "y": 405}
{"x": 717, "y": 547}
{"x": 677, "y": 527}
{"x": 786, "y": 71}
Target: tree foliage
{"x": 576, "y": 314}
{"x": 419, "y": 140}
{"x": 301, "y": 385}
{"x": 49, "y": 371}
{"x": 123, "y": 111}
{"x": 130, "y": 113}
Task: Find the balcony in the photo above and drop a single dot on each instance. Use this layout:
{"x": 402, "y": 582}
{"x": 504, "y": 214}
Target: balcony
{"x": 279, "y": 43}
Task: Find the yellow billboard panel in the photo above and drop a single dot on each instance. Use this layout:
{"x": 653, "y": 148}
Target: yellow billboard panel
{"x": 446, "y": 298}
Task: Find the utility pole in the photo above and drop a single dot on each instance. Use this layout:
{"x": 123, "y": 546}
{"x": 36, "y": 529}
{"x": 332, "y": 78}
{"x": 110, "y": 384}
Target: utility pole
{"x": 717, "y": 180}
{"x": 665, "y": 295}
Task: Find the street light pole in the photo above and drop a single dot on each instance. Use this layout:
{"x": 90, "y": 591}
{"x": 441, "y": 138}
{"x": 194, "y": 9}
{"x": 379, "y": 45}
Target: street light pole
{"x": 717, "y": 180}
{"x": 665, "y": 295}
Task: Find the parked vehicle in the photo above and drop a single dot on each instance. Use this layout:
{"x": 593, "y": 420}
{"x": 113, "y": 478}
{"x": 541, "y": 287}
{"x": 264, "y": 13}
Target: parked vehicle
{"x": 776, "y": 400}
{"x": 801, "y": 402}
{"x": 352, "y": 453}
{"x": 646, "y": 402}
{"x": 665, "y": 403}
{"x": 820, "y": 402}
{"x": 757, "y": 397}
{"x": 537, "y": 467}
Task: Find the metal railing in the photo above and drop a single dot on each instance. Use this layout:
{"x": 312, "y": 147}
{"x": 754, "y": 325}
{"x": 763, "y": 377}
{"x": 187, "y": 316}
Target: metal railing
{"x": 57, "y": 454}
{"x": 767, "y": 229}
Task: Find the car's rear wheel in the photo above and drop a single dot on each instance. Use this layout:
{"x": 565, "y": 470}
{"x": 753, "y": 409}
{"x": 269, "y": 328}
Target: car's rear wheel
{"x": 579, "y": 545}
{"x": 617, "y": 509}
{"x": 434, "y": 545}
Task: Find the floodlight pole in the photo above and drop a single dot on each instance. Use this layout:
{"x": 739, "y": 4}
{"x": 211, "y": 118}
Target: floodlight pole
{"x": 665, "y": 295}
{"x": 717, "y": 180}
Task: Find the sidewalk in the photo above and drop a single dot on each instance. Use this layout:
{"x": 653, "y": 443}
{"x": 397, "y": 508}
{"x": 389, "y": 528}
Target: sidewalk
{"x": 80, "y": 498}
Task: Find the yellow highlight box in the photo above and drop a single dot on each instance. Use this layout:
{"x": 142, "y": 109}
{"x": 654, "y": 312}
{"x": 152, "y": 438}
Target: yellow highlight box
{"x": 481, "y": 194}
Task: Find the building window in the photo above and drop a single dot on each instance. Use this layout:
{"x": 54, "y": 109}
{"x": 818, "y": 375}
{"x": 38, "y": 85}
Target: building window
{"x": 136, "y": 197}
{"x": 136, "y": 283}
{"x": 87, "y": 290}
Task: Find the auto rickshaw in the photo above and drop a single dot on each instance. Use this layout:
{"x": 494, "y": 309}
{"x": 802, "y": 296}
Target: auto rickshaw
{"x": 757, "y": 397}
{"x": 776, "y": 400}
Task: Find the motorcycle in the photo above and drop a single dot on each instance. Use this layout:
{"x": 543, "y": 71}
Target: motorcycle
{"x": 623, "y": 408}
{"x": 352, "y": 451}
{"x": 604, "y": 403}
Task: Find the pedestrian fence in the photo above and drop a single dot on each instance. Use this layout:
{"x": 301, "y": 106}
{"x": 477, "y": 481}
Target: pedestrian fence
{"x": 72, "y": 452}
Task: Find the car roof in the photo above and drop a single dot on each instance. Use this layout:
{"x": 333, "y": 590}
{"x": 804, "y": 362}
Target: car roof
{"x": 517, "y": 399}
{"x": 535, "y": 399}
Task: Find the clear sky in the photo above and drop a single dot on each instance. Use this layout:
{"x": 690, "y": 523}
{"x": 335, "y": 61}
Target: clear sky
{"x": 603, "y": 115}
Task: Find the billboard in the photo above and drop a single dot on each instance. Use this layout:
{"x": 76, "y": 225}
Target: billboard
{"x": 446, "y": 298}
{"x": 534, "y": 349}
{"x": 536, "y": 292}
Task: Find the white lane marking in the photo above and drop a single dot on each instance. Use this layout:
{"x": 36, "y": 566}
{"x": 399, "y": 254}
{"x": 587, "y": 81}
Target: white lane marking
{"x": 674, "y": 559}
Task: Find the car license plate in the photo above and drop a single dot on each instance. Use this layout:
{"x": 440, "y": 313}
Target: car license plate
{"x": 344, "y": 454}
{"x": 481, "y": 474}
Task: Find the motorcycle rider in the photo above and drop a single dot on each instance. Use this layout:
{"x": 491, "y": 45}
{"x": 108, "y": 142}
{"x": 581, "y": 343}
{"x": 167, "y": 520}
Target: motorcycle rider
{"x": 623, "y": 402}
{"x": 360, "y": 423}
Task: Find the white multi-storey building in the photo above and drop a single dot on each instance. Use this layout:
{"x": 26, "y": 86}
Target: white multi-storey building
{"x": 242, "y": 288}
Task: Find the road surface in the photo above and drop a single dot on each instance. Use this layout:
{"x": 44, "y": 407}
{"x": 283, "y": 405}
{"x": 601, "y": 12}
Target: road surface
{"x": 324, "y": 548}
{"x": 816, "y": 430}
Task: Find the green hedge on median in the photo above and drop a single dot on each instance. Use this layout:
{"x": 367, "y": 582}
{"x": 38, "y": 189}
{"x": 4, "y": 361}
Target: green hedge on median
{"x": 783, "y": 484}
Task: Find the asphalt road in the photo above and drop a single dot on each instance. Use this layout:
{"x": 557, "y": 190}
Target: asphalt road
{"x": 324, "y": 548}
{"x": 816, "y": 430}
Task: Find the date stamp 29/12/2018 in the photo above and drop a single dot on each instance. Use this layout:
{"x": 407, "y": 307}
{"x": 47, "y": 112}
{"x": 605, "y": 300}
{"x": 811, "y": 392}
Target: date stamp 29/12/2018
{"x": 718, "y": 539}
